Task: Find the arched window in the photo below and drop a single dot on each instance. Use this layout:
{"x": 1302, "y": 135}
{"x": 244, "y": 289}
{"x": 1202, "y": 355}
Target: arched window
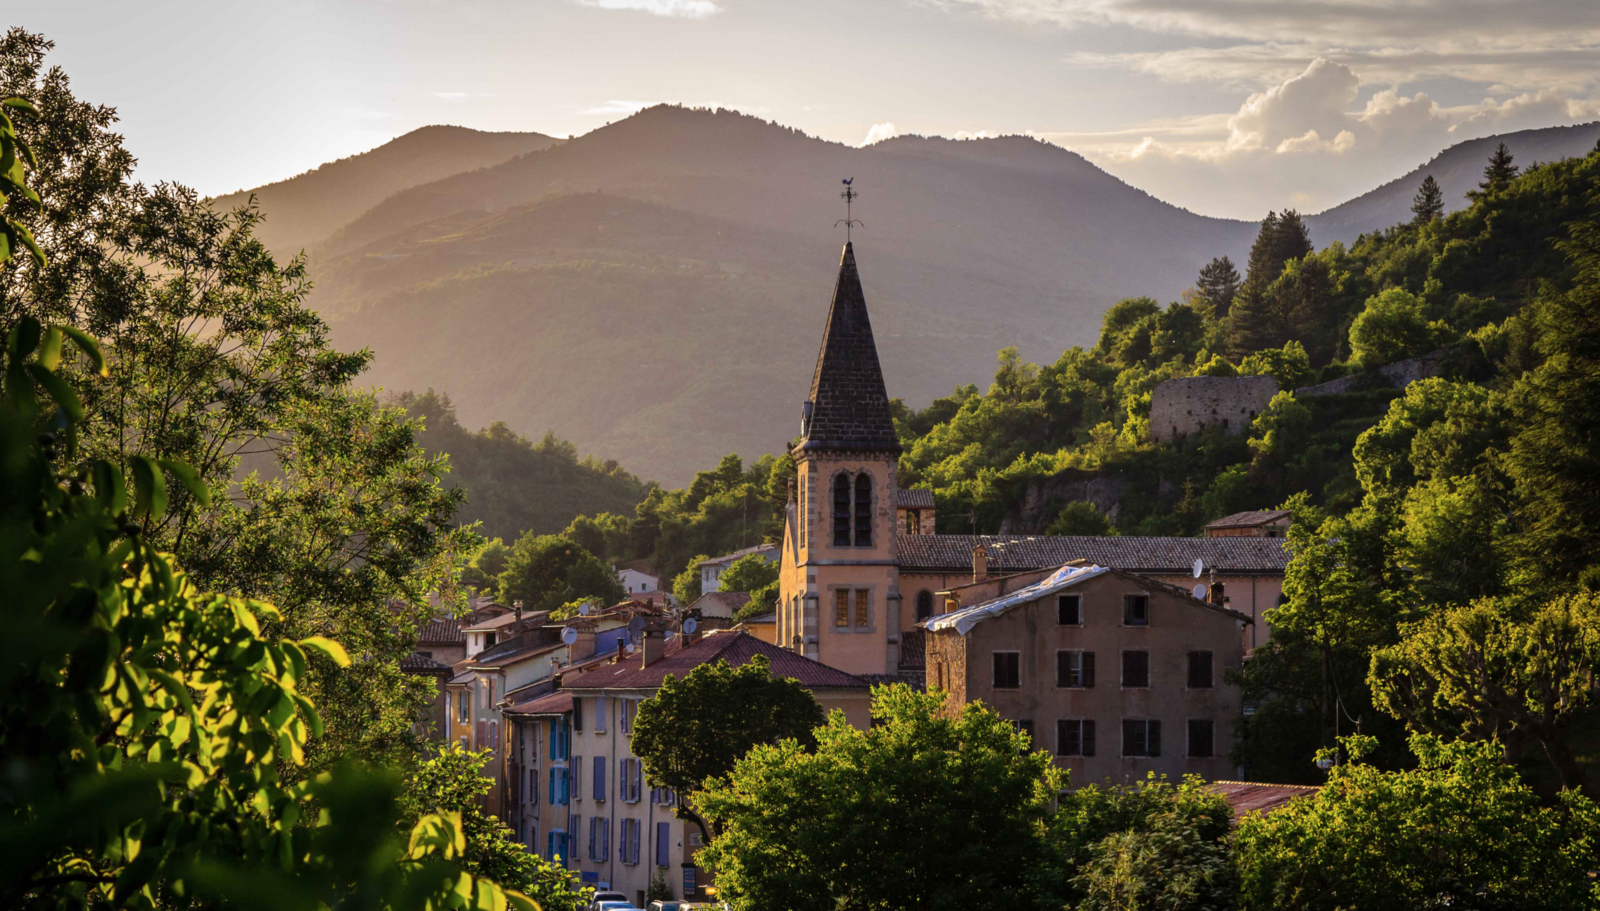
{"x": 863, "y": 510}
{"x": 924, "y": 604}
{"x": 841, "y": 510}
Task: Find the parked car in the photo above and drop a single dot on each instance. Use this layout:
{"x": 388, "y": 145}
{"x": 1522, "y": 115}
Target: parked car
{"x": 668, "y": 906}
{"x": 616, "y": 906}
{"x": 600, "y": 898}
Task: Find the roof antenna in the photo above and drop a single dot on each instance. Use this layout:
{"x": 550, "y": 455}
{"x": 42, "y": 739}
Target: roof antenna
{"x": 849, "y": 196}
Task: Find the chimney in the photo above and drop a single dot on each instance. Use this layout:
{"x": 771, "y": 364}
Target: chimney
{"x": 952, "y": 604}
{"x": 516, "y": 607}
{"x": 980, "y": 563}
{"x": 652, "y": 645}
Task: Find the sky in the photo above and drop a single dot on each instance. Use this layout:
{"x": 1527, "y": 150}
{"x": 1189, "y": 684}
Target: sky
{"x": 1225, "y": 107}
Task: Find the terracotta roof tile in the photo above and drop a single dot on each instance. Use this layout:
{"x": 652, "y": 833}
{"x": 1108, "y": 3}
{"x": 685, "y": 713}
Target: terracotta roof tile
{"x": 1256, "y": 797}
{"x": 1250, "y": 519}
{"x": 441, "y": 631}
{"x": 553, "y": 704}
{"x": 415, "y": 663}
{"x": 1150, "y": 555}
{"x": 913, "y": 498}
{"x": 734, "y": 646}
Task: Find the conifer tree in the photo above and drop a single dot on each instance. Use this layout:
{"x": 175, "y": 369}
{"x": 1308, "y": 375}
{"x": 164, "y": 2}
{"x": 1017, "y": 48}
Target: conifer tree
{"x": 1218, "y": 284}
{"x": 1498, "y": 174}
{"x": 1428, "y": 204}
{"x": 1252, "y": 321}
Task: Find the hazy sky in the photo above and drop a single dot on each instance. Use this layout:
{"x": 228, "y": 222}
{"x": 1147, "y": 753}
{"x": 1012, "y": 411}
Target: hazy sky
{"x": 1228, "y": 107}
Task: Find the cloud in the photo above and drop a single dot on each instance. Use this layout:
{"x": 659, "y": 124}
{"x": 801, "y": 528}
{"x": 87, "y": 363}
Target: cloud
{"x": 1536, "y": 109}
{"x": 880, "y": 132}
{"x": 679, "y": 9}
{"x": 1297, "y": 109}
{"x": 616, "y": 106}
{"x": 1311, "y": 141}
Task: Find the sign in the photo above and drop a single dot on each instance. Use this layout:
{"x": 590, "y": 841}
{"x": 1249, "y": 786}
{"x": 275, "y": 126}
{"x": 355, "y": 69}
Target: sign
{"x": 688, "y": 880}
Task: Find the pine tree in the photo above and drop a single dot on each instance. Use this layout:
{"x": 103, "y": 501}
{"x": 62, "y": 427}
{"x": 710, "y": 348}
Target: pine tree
{"x": 1253, "y": 323}
{"x": 1218, "y": 285}
{"x": 1497, "y": 175}
{"x": 1428, "y": 204}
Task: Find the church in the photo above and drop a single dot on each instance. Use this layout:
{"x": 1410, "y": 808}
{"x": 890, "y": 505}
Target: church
{"x": 861, "y": 566}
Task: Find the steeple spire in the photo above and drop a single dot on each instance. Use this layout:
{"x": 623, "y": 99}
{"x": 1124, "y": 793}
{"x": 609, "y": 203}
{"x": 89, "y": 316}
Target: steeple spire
{"x": 848, "y": 407}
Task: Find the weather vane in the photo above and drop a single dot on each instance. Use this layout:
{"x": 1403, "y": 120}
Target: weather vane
{"x": 849, "y": 196}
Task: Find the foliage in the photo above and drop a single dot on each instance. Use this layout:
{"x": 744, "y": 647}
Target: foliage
{"x": 451, "y": 781}
{"x": 748, "y": 574}
{"x": 1428, "y": 204}
{"x": 483, "y": 571}
{"x": 1472, "y": 836}
{"x": 1080, "y": 518}
{"x": 1393, "y": 327}
{"x": 694, "y": 728}
{"x": 546, "y": 571}
{"x": 686, "y": 585}
{"x": 1217, "y": 286}
{"x": 963, "y": 800}
{"x": 1497, "y": 174}
{"x": 1165, "y": 867}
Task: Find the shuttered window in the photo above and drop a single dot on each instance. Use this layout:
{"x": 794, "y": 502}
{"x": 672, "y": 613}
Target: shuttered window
{"x": 1200, "y": 674}
{"x": 1202, "y": 738}
{"x": 1007, "y": 670}
{"x": 1074, "y": 669}
{"x": 1136, "y": 610}
{"x": 1075, "y": 737}
{"x": 1136, "y": 669}
{"x": 600, "y": 778}
{"x": 663, "y": 844}
{"x": 1069, "y": 610}
{"x": 1141, "y": 737}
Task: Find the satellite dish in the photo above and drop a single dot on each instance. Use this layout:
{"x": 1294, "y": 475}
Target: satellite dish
{"x": 569, "y": 635}
{"x": 689, "y": 626}
{"x": 584, "y": 608}
{"x": 629, "y": 647}
{"x": 1200, "y": 592}
{"x": 1199, "y": 567}
{"x": 635, "y": 626}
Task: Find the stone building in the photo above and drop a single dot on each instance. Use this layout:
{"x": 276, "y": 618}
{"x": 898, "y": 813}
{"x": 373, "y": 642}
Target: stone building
{"x": 1193, "y": 403}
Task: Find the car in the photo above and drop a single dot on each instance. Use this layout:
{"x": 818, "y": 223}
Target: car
{"x": 616, "y": 906}
{"x": 668, "y": 906}
{"x": 605, "y": 897}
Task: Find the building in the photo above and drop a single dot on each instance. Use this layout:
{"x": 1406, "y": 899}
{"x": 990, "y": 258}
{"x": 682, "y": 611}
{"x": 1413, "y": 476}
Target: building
{"x": 636, "y": 581}
{"x": 711, "y": 570}
{"x": 1113, "y": 673}
{"x": 1191, "y": 404}
{"x": 581, "y": 792}
{"x": 1261, "y": 523}
{"x": 854, "y": 583}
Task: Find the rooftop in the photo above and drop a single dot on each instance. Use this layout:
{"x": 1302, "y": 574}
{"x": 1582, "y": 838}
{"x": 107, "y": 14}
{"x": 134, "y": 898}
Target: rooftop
{"x": 913, "y": 498}
{"x": 849, "y": 407}
{"x": 558, "y": 703}
{"x": 721, "y": 602}
{"x": 738, "y": 554}
{"x": 1251, "y": 519}
{"x": 441, "y": 631}
{"x": 1149, "y": 555}
{"x": 1255, "y": 797}
{"x": 503, "y": 620}
{"x": 734, "y": 646}
{"x": 422, "y": 664}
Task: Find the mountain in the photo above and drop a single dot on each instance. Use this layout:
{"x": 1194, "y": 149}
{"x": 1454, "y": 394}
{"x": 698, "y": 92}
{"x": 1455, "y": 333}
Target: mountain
{"x": 1457, "y": 169}
{"x": 655, "y": 290}
{"x": 304, "y": 210}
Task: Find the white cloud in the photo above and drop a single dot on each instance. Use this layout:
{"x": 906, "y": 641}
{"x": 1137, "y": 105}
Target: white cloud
{"x": 681, "y": 9}
{"x": 1311, "y": 141}
{"x": 974, "y": 134}
{"x": 1302, "y": 107}
{"x": 1536, "y": 109}
{"x": 880, "y": 132}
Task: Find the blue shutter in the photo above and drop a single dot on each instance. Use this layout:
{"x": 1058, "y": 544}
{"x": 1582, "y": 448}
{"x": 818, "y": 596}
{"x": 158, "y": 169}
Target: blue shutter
{"x": 599, "y": 778}
{"x": 552, "y": 781}
{"x": 594, "y": 832}
{"x": 605, "y": 839}
{"x": 663, "y": 843}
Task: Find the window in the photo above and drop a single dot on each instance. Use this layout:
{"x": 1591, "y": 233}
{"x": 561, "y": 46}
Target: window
{"x": 626, "y": 709}
{"x": 1200, "y": 671}
{"x": 533, "y": 786}
{"x": 558, "y": 787}
{"x": 577, "y": 715}
{"x": 600, "y": 778}
{"x": 924, "y": 605}
{"x": 1075, "y": 669}
{"x": 1202, "y": 737}
{"x": 600, "y": 709}
{"x": 577, "y": 777}
{"x": 1136, "y": 669}
{"x": 599, "y": 839}
{"x": 463, "y": 708}
{"x": 628, "y": 842}
{"x": 863, "y": 510}
{"x": 913, "y": 521}
{"x": 863, "y": 608}
{"x": 630, "y": 779}
{"x": 1069, "y": 610}
{"x": 841, "y": 607}
{"x": 663, "y": 843}
{"x": 841, "y": 510}
{"x": 1075, "y": 737}
{"x": 1141, "y": 737}
{"x": 1135, "y": 610}
{"x": 1024, "y": 726}
{"x": 1007, "y": 670}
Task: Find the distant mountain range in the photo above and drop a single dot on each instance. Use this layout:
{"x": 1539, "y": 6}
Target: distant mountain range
{"x": 655, "y": 290}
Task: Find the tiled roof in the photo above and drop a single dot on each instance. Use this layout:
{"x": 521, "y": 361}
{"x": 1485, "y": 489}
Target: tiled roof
{"x": 504, "y": 620}
{"x": 913, "y": 498}
{"x": 422, "y": 664}
{"x": 1167, "y": 556}
{"x": 1250, "y": 519}
{"x": 728, "y": 601}
{"x": 554, "y": 704}
{"x": 1255, "y": 797}
{"x": 913, "y": 649}
{"x": 510, "y": 658}
{"x": 849, "y": 405}
{"x": 734, "y": 646}
{"x": 770, "y": 616}
{"x": 730, "y": 558}
{"x": 441, "y": 631}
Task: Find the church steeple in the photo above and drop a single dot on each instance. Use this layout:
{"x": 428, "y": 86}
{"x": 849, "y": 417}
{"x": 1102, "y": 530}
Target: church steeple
{"x": 849, "y": 407}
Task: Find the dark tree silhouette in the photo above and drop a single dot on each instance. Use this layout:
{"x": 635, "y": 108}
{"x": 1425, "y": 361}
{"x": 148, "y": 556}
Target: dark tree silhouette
{"x": 1218, "y": 283}
{"x": 1428, "y": 204}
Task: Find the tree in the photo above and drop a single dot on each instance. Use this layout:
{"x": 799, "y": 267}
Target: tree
{"x": 1080, "y": 517}
{"x": 934, "y": 807}
{"x": 483, "y": 570}
{"x": 686, "y": 585}
{"x": 547, "y": 571}
{"x": 1394, "y": 326}
{"x": 694, "y": 728}
{"x": 452, "y": 782}
{"x": 1491, "y": 671}
{"x": 1289, "y": 365}
{"x": 748, "y": 574}
{"x": 1460, "y": 830}
{"x": 1217, "y": 286}
{"x": 1428, "y": 204}
{"x": 1497, "y": 174}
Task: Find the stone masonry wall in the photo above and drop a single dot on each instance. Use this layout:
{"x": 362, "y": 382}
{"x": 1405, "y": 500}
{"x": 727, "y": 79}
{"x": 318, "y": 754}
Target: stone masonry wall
{"x": 1190, "y": 404}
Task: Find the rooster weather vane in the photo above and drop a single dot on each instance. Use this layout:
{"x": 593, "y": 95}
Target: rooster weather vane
{"x": 849, "y": 196}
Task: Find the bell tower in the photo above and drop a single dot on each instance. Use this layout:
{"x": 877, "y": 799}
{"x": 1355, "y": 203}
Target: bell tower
{"x": 839, "y": 596}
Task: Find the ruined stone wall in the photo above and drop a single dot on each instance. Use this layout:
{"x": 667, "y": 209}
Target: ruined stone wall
{"x": 1399, "y": 375}
{"x": 1188, "y": 405}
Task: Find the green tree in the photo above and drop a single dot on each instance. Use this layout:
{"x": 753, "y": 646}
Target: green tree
{"x": 1290, "y": 365}
{"x": 965, "y": 800}
{"x": 1428, "y": 205}
{"x": 1394, "y": 326}
{"x": 1497, "y": 174}
{"x": 686, "y": 585}
{"x": 1167, "y": 866}
{"x": 547, "y": 571}
{"x": 1460, "y": 830}
{"x": 483, "y": 571}
{"x": 1080, "y": 517}
{"x": 451, "y": 781}
{"x": 694, "y": 728}
{"x": 748, "y": 574}
{"x": 1217, "y": 285}
{"x": 1494, "y": 671}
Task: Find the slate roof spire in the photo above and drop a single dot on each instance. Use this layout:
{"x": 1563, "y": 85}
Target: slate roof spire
{"x": 848, "y": 407}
